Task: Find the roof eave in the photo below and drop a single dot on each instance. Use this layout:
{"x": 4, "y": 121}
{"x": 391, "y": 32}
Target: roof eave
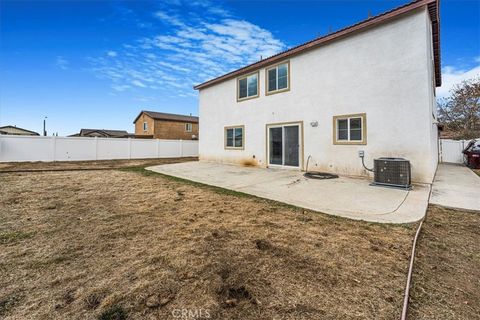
{"x": 433, "y": 10}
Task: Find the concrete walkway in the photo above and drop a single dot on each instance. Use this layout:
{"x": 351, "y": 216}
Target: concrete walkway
{"x": 346, "y": 197}
{"x": 456, "y": 186}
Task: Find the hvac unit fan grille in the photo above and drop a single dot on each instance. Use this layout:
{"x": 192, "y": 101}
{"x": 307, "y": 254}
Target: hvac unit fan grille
{"x": 394, "y": 172}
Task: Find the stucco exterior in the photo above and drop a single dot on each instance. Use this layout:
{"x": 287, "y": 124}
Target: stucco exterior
{"x": 386, "y": 72}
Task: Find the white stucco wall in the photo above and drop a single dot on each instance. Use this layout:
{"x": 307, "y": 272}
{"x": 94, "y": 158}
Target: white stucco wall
{"x": 385, "y": 72}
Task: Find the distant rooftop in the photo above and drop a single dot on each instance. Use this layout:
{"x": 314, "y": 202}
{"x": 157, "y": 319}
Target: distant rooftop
{"x": 14, "y": 130}
{"x": 102, "y": 132}
{"x": 167, "y": 116}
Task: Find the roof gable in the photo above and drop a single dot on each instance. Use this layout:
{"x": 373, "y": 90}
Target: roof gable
{"x": 433, "y": 9}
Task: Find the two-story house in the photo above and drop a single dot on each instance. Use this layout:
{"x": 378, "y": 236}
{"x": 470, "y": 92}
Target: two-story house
{"x": 369, "y": 87}
{"x": 160, "y": 125}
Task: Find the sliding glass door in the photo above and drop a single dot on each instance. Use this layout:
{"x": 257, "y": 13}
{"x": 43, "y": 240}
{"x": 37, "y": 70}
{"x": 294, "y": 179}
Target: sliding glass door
{"x": 284, "y": 145}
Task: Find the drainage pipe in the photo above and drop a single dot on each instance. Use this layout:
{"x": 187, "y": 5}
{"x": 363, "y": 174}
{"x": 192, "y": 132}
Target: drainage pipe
{"x": 410, "y": 271}
{"x": 308, "y": 159}
{"x": 363, "y": 163}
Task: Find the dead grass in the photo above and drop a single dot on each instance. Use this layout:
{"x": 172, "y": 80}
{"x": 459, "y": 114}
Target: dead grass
{"x": 79, "y": 165}
{"x": 105, "y": 244}
{"x": 477, "y": 171}
{"x": 446, "y": 277}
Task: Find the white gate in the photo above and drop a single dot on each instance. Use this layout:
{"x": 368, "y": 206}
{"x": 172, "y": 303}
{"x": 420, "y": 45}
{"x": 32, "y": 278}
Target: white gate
{"x": 451, "y": 150}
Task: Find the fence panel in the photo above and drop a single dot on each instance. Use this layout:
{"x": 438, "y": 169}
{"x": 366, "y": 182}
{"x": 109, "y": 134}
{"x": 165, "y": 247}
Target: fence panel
{"x": 141, "y": 149}
{"x": 28, "y": 148}
{"x": 451, "y": 150}
{"x": 167, "y": 147}
{"x": 190, "y": 148}
{"x": 68, "y": 149}
{"x": 108, "y": 148}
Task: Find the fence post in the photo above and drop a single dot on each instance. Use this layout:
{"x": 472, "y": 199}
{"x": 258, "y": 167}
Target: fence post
{"x": 1, "y": 154}
{"x": 181, "y": 148}
{"x": 129, "y": 148}
{"x": 54, "y": 142}
{"x": 158, "y": 148}
{"x": 96, "y": 148}
{"x": 440, "y": 151}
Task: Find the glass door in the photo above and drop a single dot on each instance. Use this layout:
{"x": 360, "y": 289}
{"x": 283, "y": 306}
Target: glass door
{"x": 284, "y": 145}
{"x": 291, "y": 146}
{"x": 276, "y": 145}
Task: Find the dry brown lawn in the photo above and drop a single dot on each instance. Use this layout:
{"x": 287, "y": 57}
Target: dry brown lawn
{"x": 88, "y": 165}
{"x": 118, "y": 244}
{"x": 446, "y": 279}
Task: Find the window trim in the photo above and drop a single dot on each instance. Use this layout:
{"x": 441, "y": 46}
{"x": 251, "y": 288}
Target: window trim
{"x": 225, "y": 137}
{"x": 363, "y": 117}
{"x": 187, "y": 125}
{"x": 258, "y": 86}
{"x": 145, "y": 126}
{"x": 268, "y": 93}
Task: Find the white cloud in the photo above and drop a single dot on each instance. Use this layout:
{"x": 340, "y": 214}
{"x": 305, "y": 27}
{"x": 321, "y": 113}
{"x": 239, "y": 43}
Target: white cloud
{"x": 138, "y": 83}
{"x": 120, "y": 87}
{"x": 193, "y": 49}
{"x": 112, "y": 54}
{"x": 452, "y": 76}
{"x": 168, "y": 18}
{"x": 61, "y": 63}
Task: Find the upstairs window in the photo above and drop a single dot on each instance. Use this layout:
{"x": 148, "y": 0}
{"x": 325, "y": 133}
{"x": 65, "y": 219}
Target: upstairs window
{"x": 247, "y": 87}
{"x": 145, "y": 126}
{"x": 188, "y": 127}
{"x": 278, "y": 78}
{"x": 234, "y": 137}
{"x": 350, "y": 129}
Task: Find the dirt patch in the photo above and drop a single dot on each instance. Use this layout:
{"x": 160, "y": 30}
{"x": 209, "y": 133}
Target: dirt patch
{"x": 118, "y": 244}
{"x": 82, "y": 165}
{"x": 249, "y": 162}
{"x": 446, "y": 273}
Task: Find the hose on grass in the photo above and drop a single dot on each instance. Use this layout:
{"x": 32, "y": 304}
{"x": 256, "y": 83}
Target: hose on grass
{"x": 410, "y": 271}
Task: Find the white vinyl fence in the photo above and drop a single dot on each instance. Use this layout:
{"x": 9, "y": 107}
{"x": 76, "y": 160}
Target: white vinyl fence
{"x": 451, "y": 150}
{"x": 34, "y": 148}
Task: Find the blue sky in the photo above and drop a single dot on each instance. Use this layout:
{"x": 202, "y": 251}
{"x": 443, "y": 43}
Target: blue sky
{"x": 96, "y": 64}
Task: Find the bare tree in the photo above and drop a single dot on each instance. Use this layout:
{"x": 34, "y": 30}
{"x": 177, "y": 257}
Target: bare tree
{"x": 460, "y": 112}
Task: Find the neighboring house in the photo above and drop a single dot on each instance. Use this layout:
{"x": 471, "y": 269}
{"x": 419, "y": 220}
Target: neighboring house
{"x": 159, "y": 125}
{"x": 13, "y": 130}
{"x": 102, "y": 133}
{"x": 368, "y": 87}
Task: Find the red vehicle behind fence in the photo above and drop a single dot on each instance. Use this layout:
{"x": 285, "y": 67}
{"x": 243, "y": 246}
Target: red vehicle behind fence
{"x": 472, "y": 153}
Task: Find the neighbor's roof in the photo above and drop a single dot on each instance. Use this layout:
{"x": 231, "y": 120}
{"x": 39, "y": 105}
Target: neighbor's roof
{"x": 433, "y": 9}
{"x": 167, "y": 116}
{"x": 14, "y": 129}
{"x": 111, "y": 133}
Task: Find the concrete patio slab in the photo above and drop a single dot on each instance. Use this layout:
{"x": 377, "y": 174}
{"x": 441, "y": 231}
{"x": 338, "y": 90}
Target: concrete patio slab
{"x": 346, "y": 197}
{"x": 456, "y": 186}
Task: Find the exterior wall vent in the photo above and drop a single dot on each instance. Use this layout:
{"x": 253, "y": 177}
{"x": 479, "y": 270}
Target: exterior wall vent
{"x": 392, "y": 172}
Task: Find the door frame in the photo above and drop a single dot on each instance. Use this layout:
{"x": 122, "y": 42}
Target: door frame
{"x": 300, "y": 144}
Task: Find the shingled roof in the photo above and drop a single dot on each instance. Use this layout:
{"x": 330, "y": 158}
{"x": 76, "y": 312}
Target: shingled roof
{"x": 104, "y": 132}
{"x": 17, "y": 131}
{"x": 433, "y": 10}
{"x": 167, "y": 116}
